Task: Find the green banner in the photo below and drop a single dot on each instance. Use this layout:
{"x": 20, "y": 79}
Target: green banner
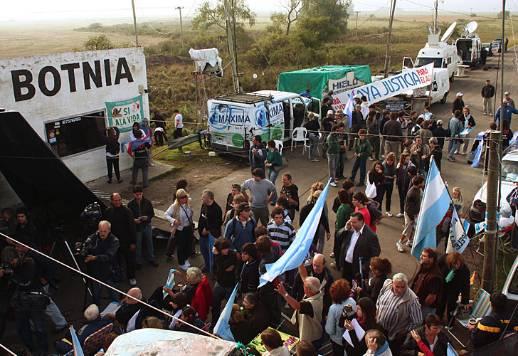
{"x": 122, "y": 114}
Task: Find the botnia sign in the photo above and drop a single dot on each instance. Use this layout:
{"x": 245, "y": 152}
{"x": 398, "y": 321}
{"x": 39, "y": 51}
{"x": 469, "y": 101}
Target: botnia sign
{"x": 51, "y": 79}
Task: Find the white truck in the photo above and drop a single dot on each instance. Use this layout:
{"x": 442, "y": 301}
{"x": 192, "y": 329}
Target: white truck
{"x": 440, "y": 53}
{"x": 234, "y": 120}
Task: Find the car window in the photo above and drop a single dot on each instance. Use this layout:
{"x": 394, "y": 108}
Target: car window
{"x": 509, "y": 170}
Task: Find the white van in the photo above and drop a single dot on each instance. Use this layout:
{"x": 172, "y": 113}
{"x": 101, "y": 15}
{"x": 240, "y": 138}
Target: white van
{"x": 234, "y": 120}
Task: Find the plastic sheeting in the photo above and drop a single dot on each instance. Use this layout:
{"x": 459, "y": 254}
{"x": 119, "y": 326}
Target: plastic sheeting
{"x": 158, "y": 342}
{"x": 207, "y": 60}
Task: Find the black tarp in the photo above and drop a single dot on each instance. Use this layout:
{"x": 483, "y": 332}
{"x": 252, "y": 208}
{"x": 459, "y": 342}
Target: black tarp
{"x": 46, "y": 186}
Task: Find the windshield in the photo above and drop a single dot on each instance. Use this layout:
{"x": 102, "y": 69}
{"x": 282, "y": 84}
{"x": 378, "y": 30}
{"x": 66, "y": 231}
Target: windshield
{"x": 422, "y": 61}
{"x": 513, "y": 286}
{"x": 509, "y": 170}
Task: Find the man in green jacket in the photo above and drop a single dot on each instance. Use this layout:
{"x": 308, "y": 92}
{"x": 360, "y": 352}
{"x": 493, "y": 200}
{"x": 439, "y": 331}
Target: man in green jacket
{"x": 362, "y": 151}
{"x": 333, "y": 151}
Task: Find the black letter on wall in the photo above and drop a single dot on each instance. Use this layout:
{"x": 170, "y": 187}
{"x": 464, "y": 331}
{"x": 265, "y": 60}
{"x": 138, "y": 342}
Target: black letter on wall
{"x": 89, "y": 73}
{"x": 43, "y": 85}
{"x": 69, "y": 67}
{"x": 19, "y": 84}
{"x": 123, "y": 71}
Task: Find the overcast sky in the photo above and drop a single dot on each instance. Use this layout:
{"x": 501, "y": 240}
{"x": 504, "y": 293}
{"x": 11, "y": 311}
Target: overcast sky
{"x": 34, "y": 10}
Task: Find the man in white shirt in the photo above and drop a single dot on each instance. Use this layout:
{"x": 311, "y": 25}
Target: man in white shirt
{"x": 178, "y": 124}
{"x": 358, "y": 245}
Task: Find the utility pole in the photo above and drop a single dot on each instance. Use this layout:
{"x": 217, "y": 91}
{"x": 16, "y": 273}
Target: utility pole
{"x": 230, "y": 28}
{"x": 493, "y": 182}
{"x": 134, "y": 22}
{"x": 179, "y": 8}
{"x": 435, "y": 16}
{"x": 387, "y": 50}
{"x": 502, "y": 47}
{"x": 357, "y": 12}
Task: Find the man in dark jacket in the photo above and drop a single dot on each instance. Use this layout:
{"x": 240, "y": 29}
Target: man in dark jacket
{"x": 209, "y": 227}
{"x": 225, "y": 266}
{"x": 143, "y": 212}
{"x": 392, "y": 134}
{"x": 25, "y": 231}
{"x": 123, "y": 227}
{"x": 257, "y": 154}
{"x": 488, "y": 92}
{"x": 428, "y": 284}
{"x": 317, "y": 269}
{"x": 458, "y": 103}
{"x": 412, "y": 207}
{"x": 359, "y": 245}
{"x": 99, "y": 251}
{"x": 440, "y": 133}
{"x": 491, "y": 327}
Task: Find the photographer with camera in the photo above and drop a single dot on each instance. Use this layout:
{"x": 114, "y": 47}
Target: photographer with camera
{"x": 99, "y": 251}
{"x": 28, "y": 299}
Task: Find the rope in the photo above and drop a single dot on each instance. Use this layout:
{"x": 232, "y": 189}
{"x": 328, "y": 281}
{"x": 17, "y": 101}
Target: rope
{"x": 7, "y": 350}
{"x": 106, "y": 285}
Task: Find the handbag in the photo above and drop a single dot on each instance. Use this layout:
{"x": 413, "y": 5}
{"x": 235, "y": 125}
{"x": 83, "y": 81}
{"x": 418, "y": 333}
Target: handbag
{"x": 370, "y": 190}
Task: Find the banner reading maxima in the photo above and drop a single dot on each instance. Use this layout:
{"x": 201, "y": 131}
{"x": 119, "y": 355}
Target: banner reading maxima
{"x": 405, "y": 81}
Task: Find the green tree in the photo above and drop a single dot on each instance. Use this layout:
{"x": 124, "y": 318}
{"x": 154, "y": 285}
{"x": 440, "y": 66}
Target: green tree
{"x": 98, "y": 42}
{"x": 209, "y": 16}
{"x": 325, "y": 20}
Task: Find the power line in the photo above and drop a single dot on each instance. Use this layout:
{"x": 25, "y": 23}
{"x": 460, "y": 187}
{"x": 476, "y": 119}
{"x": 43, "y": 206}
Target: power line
{"x": 16, "y": 242}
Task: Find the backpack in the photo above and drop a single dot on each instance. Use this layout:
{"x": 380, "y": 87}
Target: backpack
{"x": 374, "y": 211}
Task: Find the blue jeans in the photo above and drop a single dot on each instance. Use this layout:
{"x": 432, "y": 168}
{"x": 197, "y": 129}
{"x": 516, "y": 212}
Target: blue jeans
{"x": 219, "y": 294}
{"x": 452, "y": 147}
{"x": 145, "y": 236}
{"x": 206, "y": 244}
{"x": 361, "y": 162}
{"x": 332, "y": 163}
{"x": 313, "y": 145}
{"x": 273, "y": 174}
{"x": 54, "y": 313}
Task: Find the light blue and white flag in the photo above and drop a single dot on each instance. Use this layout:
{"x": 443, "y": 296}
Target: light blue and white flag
{"x": 299, "y": 248}
{"x": 78, "y": 350}
{"x": 450, "y": 351}
{"x": 348, "y": 110}
{"x": 434, "y": 205}
{"x": 222, "y": 328}
{"x": 458, "y": 239}
{"x": 478, "y": 152}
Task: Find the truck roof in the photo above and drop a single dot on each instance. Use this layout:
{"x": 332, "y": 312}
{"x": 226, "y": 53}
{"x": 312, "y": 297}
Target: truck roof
{"x": 257, "y": 97}
{"x": 275, "y": 94}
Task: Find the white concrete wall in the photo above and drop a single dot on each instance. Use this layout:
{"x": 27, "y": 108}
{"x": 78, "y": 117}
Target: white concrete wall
{"x": 41, "y": 109}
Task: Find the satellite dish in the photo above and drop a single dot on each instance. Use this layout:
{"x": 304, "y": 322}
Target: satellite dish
{"x": 471, "y": 27}
{"x": 448, "y": 32}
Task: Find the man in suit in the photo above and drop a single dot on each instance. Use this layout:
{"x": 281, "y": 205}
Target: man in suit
{"x": 359, "y": 244}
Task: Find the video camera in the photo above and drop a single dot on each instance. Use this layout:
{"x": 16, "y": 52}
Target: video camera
{"x": 348, "y": 312}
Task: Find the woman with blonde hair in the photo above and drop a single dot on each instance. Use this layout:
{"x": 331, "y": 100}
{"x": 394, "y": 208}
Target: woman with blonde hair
{"x": 180, "y": 215}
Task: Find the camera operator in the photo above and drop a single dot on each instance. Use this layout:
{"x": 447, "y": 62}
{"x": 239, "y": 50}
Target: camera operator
{"x": 28, "y": 300}
{"x": 99, "y": 252}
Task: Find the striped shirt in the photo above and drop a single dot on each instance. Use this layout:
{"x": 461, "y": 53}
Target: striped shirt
{"x": 283, "y": 234}
{"x": 398, "y": 314}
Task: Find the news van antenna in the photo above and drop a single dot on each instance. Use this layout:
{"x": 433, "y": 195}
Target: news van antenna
{"x": 470, "y": 28}
{"x": 446, "y": 36}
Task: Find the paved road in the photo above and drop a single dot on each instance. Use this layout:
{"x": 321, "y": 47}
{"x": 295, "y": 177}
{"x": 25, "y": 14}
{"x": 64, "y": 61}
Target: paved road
{"x": 305, "y": 173}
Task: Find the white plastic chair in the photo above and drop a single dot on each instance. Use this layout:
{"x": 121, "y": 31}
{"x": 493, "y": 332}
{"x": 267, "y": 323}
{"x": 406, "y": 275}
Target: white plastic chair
{"x": 280, "y": 145}
{"x": 299, "y": 134}
{"x": 307, "y": 144}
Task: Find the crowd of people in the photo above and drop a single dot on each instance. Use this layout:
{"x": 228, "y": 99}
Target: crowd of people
{"x": 255, "y": 227}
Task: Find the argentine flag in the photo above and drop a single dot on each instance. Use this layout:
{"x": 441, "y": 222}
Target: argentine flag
{"x": 299, "y": 248}
{"x": 434, "y": 205}
{"x": 78, "y": 350}
{"x": 222, "y": 328}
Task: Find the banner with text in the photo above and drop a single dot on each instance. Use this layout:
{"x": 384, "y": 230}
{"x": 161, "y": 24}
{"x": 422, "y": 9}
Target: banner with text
{"x": 407, "y": 80}
{"x": 123, "y": 114}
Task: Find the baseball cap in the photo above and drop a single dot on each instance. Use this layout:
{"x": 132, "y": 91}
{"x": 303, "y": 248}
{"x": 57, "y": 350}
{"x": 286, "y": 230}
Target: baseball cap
{"x": 330, "y": 112}
{"x": 506, "y": 93}
{"x": 460, "y": 93}
{"x": 439, "y": 122}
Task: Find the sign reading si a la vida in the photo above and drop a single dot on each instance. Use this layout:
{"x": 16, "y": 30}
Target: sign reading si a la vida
{"x": 123, "y": 114}
{"x": 53, "y": 78}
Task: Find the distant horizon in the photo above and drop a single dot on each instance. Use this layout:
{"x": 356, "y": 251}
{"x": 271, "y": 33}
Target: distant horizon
{"x": 62, "y": 11}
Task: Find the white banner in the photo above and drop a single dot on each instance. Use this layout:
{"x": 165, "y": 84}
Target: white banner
{"x": 407, "y": 80}
{"x": 458, "y": 240}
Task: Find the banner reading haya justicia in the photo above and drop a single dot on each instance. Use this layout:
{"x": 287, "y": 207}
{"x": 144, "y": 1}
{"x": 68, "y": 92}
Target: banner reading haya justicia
{"x": 405, "y": 81}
